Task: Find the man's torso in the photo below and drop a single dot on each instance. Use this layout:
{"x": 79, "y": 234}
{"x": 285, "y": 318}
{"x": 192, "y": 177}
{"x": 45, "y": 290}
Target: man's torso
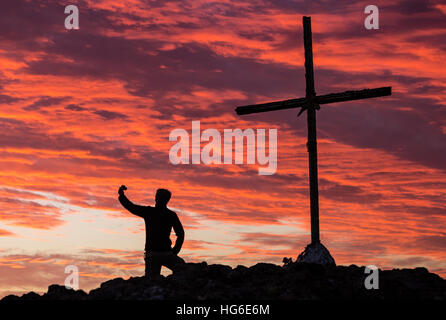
{"x": 159, "y": 222}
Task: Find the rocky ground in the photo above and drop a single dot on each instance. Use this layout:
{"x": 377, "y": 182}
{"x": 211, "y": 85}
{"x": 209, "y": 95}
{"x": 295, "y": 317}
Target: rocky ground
{"x": 200, "y": 281}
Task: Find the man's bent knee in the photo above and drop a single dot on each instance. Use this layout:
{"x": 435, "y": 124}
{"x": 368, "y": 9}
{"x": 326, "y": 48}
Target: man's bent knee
{"x": 174, "y": 262}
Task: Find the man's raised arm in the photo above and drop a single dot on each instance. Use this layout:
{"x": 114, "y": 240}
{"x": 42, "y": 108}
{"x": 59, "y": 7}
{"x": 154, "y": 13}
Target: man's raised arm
{"x": 130, "y": 206}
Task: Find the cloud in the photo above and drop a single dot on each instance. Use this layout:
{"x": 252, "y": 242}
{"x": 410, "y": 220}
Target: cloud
{"x": 28, "y": 213}
{"x": 431, "y": 242}
{"x": 5, "y": 99}
{"x": 347, "y": 193}
{"x": 110, "y": 115}
{"x": 45, "y": 102}
{"x": 75, "y": 107}
{"x": 6, "y": 233}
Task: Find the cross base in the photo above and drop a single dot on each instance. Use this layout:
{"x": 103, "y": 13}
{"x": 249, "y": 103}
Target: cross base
{"x": 316, "y": 253}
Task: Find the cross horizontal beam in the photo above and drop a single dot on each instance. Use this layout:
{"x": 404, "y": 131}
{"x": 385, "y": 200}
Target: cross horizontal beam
{"x": 323, "y": 99}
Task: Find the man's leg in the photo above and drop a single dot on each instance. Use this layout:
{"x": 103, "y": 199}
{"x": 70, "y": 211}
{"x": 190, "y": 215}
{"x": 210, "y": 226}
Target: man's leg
{"x": 172, "y": 261}
{"x": 153, "y": 265}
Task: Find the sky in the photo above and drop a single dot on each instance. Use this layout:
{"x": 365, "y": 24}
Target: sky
{"x": 84, "y": 111}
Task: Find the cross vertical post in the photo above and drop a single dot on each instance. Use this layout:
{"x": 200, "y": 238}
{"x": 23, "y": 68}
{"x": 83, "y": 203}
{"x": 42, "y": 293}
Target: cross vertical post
{"x": 311, "y": 124}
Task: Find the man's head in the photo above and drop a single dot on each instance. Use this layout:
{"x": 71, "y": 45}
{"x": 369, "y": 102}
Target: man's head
{"x": 162, "y": 197}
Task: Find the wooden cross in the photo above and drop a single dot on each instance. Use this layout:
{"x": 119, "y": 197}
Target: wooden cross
{"x": 311, "y": 103}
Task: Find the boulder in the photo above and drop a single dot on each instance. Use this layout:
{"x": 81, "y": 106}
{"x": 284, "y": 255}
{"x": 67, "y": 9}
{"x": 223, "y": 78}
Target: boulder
{"x": 316, "y": 253}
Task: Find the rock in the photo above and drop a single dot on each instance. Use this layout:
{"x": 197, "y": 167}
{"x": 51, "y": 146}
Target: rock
{"x": 31, "y": 296}
{"x": 262, "y": 269}
{"x": 113, "y": 283}
{"x": 57, "y": 292}
{"x": 219, "y": 271}
{"x": 316, "y": 253}
{"x": 12, "y": 297}
{"x": 154, "y": 293}
{"x": 27, "y": 296}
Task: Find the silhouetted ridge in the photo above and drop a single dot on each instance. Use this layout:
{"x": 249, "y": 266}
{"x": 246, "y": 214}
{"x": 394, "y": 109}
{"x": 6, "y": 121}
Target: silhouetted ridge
{"x": 201, "y": 281}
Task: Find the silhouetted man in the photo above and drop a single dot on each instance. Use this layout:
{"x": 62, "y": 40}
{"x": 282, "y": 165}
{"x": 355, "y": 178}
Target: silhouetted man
{"x": 159, "y": 221}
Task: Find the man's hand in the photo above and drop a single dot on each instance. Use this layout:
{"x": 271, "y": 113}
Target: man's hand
{"x": 121, "y": 190}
